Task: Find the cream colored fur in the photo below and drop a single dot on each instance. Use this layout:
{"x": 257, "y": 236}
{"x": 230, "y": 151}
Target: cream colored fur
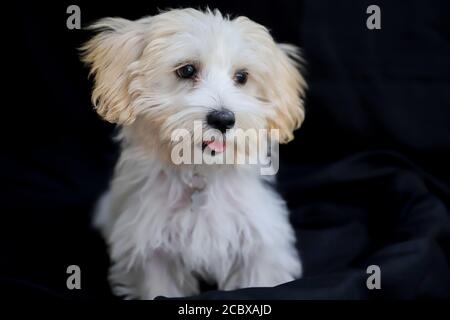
{"x": 239, "y": 235}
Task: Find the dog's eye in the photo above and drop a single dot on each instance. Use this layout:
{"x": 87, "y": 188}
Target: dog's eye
{"x": 241, "y": 77}
{"x": 187, "y": 71}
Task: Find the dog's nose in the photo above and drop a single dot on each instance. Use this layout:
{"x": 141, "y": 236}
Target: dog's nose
{"x": 221, "y": 119}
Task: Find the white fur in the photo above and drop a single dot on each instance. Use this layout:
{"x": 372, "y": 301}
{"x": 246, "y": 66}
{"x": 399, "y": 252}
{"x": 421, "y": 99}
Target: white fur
{"x": 239, "y": 234}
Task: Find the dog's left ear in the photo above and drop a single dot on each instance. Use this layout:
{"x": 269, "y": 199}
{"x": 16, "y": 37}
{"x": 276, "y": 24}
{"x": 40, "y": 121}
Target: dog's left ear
{"x": 287, "y": 91}
{"x": 111, "y": 54}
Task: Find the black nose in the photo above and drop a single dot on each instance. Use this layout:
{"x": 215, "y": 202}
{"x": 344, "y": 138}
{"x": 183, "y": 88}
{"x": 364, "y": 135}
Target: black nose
{"x": 221, "y": 119}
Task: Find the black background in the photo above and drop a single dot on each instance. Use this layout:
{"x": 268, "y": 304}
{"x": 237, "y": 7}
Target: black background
{"x": 367, "y": 178}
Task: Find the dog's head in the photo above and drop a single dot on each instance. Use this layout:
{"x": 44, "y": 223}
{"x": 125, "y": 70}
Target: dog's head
{"x": 185, "y": 65}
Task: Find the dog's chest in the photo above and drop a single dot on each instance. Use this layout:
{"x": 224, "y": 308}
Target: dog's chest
{"x": 196, "y": 192}
{"x": 207, "y": 225}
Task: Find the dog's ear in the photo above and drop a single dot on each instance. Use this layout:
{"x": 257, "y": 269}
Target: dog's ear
{"x": 287, "y": 92}
{"x": 110, "y": 55}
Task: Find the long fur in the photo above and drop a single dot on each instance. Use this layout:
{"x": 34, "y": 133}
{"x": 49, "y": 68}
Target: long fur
{"x": 237, "y": 233}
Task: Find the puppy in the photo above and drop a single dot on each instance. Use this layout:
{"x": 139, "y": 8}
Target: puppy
{"x": 169, "y": 225}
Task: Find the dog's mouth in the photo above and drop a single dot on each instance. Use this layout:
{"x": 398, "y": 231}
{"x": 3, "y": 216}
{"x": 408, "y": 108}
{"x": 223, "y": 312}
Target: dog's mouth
{"x": 214, "y": 146}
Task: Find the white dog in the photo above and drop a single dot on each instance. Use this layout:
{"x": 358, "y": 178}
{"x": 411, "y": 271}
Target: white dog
{"x": 167, "y": 225}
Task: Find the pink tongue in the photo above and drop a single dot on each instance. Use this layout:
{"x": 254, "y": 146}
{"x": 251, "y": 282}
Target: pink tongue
{"x": 217, "y": 146}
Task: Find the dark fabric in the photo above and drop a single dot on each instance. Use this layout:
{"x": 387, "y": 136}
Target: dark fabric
{"x": 367, "y": 178}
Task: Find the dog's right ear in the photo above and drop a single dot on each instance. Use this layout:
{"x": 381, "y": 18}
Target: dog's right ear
{"x": 110, "y": 55}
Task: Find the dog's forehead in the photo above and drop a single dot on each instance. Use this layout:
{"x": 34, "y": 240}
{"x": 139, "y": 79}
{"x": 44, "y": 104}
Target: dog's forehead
{"x": 206, "y": 35}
